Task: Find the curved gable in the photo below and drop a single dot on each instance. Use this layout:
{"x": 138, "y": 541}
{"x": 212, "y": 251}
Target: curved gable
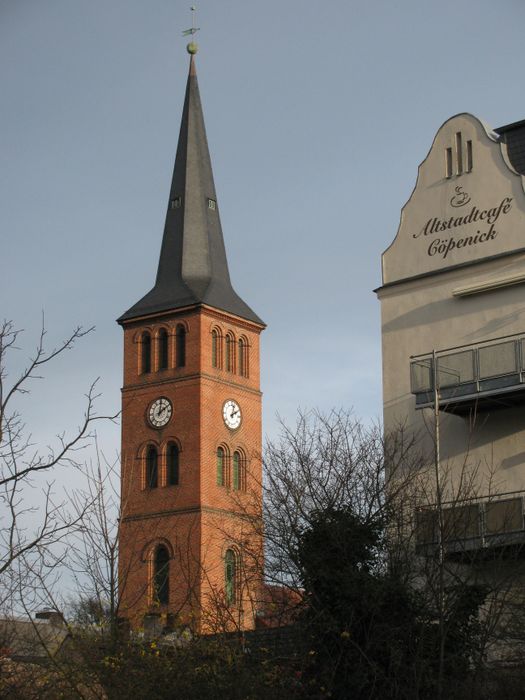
{"x": 468, "y": 204}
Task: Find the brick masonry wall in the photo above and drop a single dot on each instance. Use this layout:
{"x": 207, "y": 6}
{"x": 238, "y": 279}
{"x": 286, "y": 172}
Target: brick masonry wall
{"x": 198, "y": 518}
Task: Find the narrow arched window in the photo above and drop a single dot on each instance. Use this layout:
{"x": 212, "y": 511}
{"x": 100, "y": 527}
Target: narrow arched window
{"x": 236, "y": 476}
{"x": 230, "y": 576}
{"x": 163, "y": 349}
{"x": 173, "y": 464}
{"x": 230, "y": 354}
{"x": 220, "y": 466}
{"x": 161, "y": 576}
{"x": 240, "y": 357}
{"x": 214, "y": 348}
{"x": 145, "y": 343}
{"x": 181, "y": 345}
{"x": 152, "y": 468}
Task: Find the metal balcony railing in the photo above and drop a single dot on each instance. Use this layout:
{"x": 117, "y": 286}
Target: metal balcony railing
{"x": 485, "y": 375}
{"x": 473, "y": 525}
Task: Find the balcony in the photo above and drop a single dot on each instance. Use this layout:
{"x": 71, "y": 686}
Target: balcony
{"x": 484, "y": 376}
{"x": 474, "y": 528}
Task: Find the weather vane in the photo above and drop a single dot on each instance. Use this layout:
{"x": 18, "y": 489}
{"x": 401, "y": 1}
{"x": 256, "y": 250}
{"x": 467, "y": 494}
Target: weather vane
{"x": 194, "y": 29}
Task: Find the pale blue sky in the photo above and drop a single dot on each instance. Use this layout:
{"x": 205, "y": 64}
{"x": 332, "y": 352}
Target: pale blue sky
{"x": 318, "y": 114}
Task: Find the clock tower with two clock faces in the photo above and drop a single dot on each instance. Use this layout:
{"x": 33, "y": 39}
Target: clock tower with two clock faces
{"x": 191, "y": 549}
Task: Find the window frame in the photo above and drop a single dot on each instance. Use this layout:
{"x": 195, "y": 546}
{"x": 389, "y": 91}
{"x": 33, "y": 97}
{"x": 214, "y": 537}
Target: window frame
{"x": 161, "y": 576}
{"x": 243, "y": 357}
{"x": 169, "y": 447}
{"x": 236, "y": 471}
{"x": 163, "y": 349}
{"x": 180, "y": 345}
{"x": 230, "y": 353}
{"x": 145, "y": 352}
{"x": 216, "y": 348}
{"x": 220, "y": 463}
{"x": 231, "y": 576}
{"x": 151, "y": 467}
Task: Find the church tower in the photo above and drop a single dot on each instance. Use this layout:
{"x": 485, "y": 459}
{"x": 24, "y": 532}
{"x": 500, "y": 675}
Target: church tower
{"x": 190, "y": 539}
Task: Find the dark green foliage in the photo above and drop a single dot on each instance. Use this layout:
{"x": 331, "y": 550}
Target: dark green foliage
{"x": 202, "y": 669}
{"x": 372, "y": 636}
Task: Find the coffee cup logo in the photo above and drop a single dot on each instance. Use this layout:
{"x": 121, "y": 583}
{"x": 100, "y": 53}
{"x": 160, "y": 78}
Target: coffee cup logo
{"x": 460, "y": 198}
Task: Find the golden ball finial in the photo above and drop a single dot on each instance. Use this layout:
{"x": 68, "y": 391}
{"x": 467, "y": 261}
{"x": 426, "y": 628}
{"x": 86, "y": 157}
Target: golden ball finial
{"x": 192, "y": 48}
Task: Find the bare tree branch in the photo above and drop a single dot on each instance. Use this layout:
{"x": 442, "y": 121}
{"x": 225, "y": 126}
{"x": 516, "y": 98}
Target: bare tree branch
{"x": 28, "y": 528}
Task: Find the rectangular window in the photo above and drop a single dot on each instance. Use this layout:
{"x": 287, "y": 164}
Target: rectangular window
{"x": 448, "y": 162}
{"x": 469, "y": 156}
{"x": 212, "y": 204}
{"x": 175, "y": 203}
{"x": 459, "y": 152}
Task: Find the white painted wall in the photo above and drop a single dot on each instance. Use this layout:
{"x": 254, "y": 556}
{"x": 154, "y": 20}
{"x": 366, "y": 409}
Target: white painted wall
{"x": 425, "y": 313}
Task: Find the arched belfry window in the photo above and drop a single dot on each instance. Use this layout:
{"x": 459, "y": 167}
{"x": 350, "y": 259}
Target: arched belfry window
{"x": 230, "y": 353}
{"x": 230, "y": 576}
{"x": 172, "y": 464}
{"x": 181, "y": 345}
{"x": 242, "y": 357}
{"x": 145, "y": 345}
{"x": 215, "y": 348}
{"x": 163, "y": 341}
{"x": 221, "y": 466}
{"x": 239, "y": 471}
{"x": 236, "y": 476}
{"x": 161, "y": 575}
{"x": 152, "y": 467}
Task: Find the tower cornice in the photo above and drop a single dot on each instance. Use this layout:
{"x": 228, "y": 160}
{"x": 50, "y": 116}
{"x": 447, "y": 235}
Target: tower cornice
{"x": 186, "y": 310}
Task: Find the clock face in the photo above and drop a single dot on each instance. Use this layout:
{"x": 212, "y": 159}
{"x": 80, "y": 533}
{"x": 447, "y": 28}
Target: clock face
{"x": 159, "y": 413}
{"x": 231, "y": 413}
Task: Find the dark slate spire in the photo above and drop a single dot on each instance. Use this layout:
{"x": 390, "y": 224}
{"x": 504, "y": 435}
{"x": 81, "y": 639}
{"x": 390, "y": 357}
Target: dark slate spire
{"x": 192, "y": 268}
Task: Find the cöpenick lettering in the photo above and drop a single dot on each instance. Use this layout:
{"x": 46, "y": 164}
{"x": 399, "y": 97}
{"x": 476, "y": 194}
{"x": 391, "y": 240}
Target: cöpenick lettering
{"x": 442, "y": 247}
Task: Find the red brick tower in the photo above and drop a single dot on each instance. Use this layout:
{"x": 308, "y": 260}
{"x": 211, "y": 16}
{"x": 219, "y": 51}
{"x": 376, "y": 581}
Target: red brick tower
{"x": 190, "y": 540}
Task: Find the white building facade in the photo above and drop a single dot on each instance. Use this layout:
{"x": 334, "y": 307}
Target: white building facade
{"x": 453, "y": 321}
